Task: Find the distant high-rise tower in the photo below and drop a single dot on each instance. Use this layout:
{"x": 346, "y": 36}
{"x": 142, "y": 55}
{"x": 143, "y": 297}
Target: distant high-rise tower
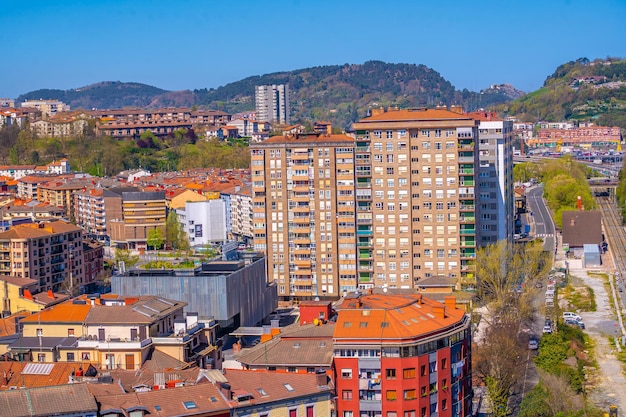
{"x": 272, "y": 103}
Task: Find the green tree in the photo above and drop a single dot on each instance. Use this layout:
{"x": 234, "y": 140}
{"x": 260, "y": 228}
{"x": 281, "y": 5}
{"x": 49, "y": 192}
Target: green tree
{"x": 155, "y": 238}
{"x": 175, "y": 236}
{"x": 124, "y": 255}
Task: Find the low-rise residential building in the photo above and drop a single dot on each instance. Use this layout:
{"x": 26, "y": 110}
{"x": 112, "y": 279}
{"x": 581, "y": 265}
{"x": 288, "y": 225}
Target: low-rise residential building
{"x": 112, "y": 332}
{"x": 47, "y": 107}
{"x": 61, "y": 125}
{"x": 61, "y": 400}
{"x": 60, "y": 193}
{"x": 275, "y": 394}
{"x": 50, "y": 253}
{"x": 20, "y": 294}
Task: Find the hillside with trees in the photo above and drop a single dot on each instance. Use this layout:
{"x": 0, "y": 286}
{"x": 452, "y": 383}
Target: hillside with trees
{"x": 580, "y": 90}
{"x": 340, "y": 94}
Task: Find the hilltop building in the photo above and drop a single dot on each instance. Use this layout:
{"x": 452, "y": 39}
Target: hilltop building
{"x": 272, "y": 103}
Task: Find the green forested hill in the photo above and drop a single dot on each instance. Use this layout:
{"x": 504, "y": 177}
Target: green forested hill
{"x": 601, "y": 99}
{"x": 337, "y": 93}
{"x": 343, "y": 93}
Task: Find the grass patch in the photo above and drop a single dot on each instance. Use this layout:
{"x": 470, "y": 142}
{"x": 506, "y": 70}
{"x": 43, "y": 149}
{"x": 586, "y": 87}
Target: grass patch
{"x": 580, "y": 298}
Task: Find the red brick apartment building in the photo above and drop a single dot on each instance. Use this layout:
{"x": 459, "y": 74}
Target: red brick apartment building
{"x": 402, "y": 356}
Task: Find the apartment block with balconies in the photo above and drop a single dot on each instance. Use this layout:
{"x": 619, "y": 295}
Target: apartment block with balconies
{"x": 416, "y": 176}
{"x": 50, "y": 253}
{"x": 304, "y": 213}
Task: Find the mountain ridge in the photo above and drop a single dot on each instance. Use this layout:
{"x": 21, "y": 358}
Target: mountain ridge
{"x": 338, "y": 93}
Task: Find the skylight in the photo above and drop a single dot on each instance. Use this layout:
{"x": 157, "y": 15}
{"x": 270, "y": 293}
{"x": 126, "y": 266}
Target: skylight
{"x": 189, "y": 405}
{"x": 288, "y": 387}
{"x": 261, "y": 392}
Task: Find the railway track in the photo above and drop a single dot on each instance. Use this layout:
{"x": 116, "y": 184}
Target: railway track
{"x": 615, "y": 234}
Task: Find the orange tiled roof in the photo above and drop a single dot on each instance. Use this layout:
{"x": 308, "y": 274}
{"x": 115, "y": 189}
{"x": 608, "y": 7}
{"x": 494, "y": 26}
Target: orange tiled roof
{"x": 391, "y": 316}
{"x": 413, "y": 114}
{"x": 308, "y": 138}
{"x": 61, "y": 313}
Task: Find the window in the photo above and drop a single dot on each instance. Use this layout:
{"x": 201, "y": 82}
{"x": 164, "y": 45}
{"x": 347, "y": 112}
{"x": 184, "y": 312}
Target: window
{"x": 408, "y": 373}
{"x": 444, "y": 404}
{"x": 39, "y": 332}
{"x": 423, "y": 370}
{"x": 391, "y": 395}
{"x": 346, "y": 373}
{"x": 293, "y": 412}
{"x": 310, "y": 411}
{"x": 444, "y": 363}
{"x": 409, "y": 413}
{"x": 390, "y": 373}
{"x": 41, "y": 357}
{"x": 409, "y": 394}
{"x": 70, "y": 332}
{"x": 70, "y": 356}
{"x": 189, "y": 405}
{"x": 346, "y": 394}
{"x": 85, "y": 356}
{"x": 348, "y": 414}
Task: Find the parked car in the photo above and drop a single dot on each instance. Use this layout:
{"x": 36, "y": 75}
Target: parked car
{"x": 570, "y": 315}
{"x": 533, "y": 344}
{"x": 547, "y": 329}
{"x": 573, "y": 322}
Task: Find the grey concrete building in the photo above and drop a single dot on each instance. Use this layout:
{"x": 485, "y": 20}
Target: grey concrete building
{"x": 234, "y": 293}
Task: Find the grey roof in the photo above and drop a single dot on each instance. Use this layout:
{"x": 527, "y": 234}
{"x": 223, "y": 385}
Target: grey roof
{"x": 294, "y": 348}
{"x": 580, "y": 227}
{"x": 47, "y": 343}
{"x": 48, "y": 401}
{"x": 146, "y": 310}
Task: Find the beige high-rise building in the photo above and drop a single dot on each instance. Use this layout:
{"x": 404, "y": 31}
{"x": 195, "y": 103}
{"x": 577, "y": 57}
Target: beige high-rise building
{"x": 304, "y": 213}
{"x": 393, "y": 207}
{"x": 416, "y": 176}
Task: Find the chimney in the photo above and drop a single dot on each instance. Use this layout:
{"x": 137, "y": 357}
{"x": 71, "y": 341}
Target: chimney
{"x": 450, "y": 302}
{"x": 321, "y": 378}
{"x": 226, "y": 391}
{"x": 358, "y": 303}
{"x": 439, "y": 311}
{"x": 456, "y": 108}
{"x": 27, "y": 294}
{"x": 579, "y": 203}
{"x": 379, "y": 110}
{"x": 50, "y": 294}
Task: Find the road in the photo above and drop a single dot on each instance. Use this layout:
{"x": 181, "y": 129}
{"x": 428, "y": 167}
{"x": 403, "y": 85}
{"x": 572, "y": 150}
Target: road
{"x": 544, "y": 226}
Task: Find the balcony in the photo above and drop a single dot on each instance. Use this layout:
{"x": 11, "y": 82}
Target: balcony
{"x": 466, "y": 207}
{"x": 467, "y": 219}
{"x": 466, "y": 159}
{"x": 113, "y": 344}
{"x": 364, "y": 232}
{"x": 467, "y": 231}
{"x": 466, "y": 195}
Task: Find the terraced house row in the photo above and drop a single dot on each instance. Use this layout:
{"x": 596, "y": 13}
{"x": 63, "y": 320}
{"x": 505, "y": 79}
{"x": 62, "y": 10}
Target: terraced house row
{"x": 396, "y": 203}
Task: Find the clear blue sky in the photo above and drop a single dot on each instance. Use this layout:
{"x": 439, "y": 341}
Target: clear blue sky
{"x": 187, "y": 44}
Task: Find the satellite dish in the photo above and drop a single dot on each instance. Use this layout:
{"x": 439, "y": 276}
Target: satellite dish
{"x": 385, "y": 290}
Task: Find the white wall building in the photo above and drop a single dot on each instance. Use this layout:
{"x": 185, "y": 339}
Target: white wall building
{"x": 272, "y": 103}
{"x": 204, "y": 221}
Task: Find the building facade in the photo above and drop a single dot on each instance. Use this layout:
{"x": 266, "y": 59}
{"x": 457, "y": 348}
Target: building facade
{"x": 495, "y": 178}
{"x": 402, "y": 355}
{"x": 203, "y": 221}
{"x": 272, "y": 103}
{"x": 416, "y": 172}
{"x": 304, "y": 213}
{"x": 50, "y": 253}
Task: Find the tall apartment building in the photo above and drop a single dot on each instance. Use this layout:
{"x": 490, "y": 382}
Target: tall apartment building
{"x": 272, "y": 103}
{"x": 416, "y": 210}
{"x": 49, "y": 253}
{"x": 402, "y": 355}
{"x": 304, "y": 213}
{"x": 495, "y": 178}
